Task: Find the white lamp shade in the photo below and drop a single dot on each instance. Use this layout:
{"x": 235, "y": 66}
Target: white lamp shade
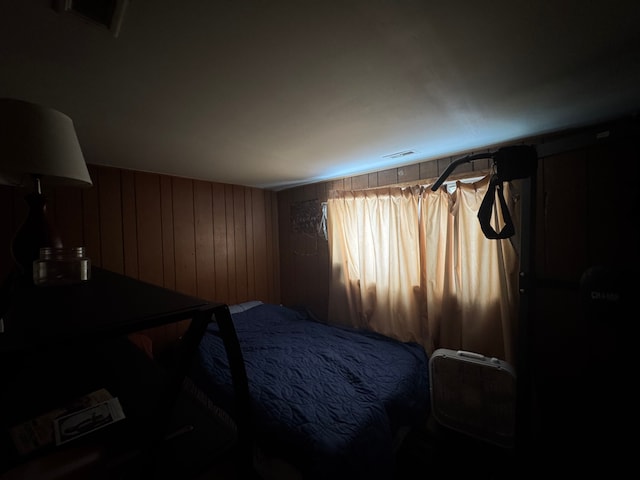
{"x": 39, "y": 141}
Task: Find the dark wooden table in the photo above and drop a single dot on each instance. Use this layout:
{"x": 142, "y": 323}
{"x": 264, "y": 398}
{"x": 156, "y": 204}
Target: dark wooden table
{"x": 61, "y": 342}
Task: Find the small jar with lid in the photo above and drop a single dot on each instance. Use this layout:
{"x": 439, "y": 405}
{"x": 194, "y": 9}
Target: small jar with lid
{"x": 61, "y": 266}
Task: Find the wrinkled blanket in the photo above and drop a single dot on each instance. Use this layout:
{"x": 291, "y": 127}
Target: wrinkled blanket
{"x": 326, "y": 399}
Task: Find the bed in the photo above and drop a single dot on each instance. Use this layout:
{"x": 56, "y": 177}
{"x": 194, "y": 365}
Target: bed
{"x": 329, "y": 402}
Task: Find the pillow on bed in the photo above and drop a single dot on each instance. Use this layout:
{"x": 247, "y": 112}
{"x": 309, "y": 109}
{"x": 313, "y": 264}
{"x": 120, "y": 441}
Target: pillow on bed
{"x": 243, "y": 307}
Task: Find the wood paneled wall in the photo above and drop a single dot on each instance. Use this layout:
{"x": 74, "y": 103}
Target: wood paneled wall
{"x": 587, "y": 203}
{"x": 215, "y": 241}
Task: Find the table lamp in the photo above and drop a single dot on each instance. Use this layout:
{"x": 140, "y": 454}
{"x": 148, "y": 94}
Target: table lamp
{"x": 38, "y": 145}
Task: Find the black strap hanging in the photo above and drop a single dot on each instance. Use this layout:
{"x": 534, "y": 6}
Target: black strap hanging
{"x": 486, "y": 208}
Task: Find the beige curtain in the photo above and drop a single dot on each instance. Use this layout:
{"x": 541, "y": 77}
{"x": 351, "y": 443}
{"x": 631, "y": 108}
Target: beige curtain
{"x": 414, "y": 264}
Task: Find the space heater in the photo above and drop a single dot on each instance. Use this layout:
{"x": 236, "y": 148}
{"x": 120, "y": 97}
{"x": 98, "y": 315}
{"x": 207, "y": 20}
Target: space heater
{"x": 474, "y": 394}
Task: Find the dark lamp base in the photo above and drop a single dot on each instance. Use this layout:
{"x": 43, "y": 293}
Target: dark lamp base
{"x": 37, "y": 231}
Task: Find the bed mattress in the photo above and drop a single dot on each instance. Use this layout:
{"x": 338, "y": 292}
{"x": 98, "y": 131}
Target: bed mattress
{"x": 329, "y": 400}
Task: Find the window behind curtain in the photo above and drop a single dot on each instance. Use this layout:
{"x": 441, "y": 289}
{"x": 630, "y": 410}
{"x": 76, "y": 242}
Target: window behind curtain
{"x": 413, "y": 264}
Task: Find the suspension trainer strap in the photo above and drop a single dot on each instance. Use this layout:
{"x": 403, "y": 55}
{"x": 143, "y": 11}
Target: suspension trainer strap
{"x": 486, "y": 208}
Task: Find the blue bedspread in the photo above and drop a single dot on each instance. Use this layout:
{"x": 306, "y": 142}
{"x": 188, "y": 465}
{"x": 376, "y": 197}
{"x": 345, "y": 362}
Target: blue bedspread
{"x": 326, "y": 399}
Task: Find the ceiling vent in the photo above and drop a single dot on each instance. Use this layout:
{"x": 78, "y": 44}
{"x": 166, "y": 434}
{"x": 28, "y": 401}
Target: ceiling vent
{"x": 103, "y": 13}
{"x": 399, "y": 154}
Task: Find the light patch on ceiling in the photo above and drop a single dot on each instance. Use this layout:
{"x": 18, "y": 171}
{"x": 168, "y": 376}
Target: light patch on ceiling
{"x": 454, "y": 145}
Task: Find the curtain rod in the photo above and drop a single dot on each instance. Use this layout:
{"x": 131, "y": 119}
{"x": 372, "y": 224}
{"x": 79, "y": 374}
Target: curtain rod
{"x": 453, "y": 165}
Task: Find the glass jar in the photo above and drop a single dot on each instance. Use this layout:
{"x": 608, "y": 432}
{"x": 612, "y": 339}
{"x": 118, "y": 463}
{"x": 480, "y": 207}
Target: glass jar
{"x": 61, "y": 266}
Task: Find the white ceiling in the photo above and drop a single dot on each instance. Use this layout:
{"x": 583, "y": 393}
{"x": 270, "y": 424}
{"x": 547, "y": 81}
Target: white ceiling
{"x": 276, "y": 93}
